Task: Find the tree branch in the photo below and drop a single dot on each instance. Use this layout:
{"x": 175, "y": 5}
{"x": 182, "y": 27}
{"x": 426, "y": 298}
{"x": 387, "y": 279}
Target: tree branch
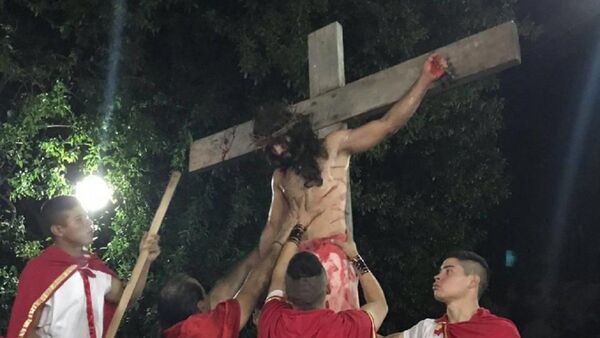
{"x": 12, "y": 207}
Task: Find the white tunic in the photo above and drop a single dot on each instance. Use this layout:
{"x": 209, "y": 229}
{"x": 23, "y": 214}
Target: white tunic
{"x": 65, "y": 315}
{"x": 423, "y": 329}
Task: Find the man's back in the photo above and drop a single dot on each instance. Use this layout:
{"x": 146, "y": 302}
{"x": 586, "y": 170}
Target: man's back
{"x": 279, "y": 320}
{"x": 222, "y": 322}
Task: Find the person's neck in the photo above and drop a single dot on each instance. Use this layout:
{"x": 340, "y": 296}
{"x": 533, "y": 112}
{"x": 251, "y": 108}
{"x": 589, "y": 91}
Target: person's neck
{"x": 70, "y": 248}
{"x": 461, "y": 310}
{"x": 319, "y": 307}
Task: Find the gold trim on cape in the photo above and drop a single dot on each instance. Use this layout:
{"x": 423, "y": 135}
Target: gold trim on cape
{"x": 44, "y": 297}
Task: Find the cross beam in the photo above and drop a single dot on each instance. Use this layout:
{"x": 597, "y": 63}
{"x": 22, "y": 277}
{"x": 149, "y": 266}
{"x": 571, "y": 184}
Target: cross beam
{"x": 479, "y": 55}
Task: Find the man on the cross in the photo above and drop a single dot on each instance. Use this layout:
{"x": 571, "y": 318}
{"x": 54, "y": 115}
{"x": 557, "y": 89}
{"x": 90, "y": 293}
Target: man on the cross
{"x": 305, "y": 163}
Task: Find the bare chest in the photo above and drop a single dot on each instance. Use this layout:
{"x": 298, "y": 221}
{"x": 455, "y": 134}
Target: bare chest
{"x": 334, "y": 174}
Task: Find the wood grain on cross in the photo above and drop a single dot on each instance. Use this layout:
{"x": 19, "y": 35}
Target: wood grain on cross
{"x": 326, "y": 73}
{"x": 332, "y": 101}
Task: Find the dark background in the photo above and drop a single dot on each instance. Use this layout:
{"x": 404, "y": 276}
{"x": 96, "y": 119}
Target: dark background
{"x": 556, "y": 279}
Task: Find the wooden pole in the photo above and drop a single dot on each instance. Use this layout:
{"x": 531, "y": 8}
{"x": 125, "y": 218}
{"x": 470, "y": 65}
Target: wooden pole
{"x": 143, "y": 257}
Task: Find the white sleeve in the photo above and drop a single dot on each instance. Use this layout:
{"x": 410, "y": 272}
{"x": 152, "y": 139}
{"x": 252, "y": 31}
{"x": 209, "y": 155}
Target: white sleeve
{"x": 43, "y": 327}
{"x": 104, "y": 281}
{"x": 423, "y": 329}
{"x": 275, "y": 294}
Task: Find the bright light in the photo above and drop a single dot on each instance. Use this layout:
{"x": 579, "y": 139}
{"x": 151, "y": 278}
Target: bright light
{"x": 93, "y": 193}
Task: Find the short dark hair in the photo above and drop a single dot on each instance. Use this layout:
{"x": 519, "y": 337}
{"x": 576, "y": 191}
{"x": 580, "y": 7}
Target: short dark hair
{"x": 306, "y": 281}
{"x": 480, "y": 268}
{"x": 178, "y": 300}
{"x": 53, "y": 212}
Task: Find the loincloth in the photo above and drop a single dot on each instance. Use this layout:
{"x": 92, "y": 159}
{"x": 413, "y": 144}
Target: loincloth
{"x": 343, "y": 281}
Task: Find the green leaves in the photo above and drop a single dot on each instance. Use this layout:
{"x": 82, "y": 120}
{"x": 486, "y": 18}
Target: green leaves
{"x": 191, "y": 68}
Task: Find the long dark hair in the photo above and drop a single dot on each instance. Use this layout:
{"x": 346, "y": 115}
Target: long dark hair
{"x": 303, "y": 145}
{"x": 305, "y": 148}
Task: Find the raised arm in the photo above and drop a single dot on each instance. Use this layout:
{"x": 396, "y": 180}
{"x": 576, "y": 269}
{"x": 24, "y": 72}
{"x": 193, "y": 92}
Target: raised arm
{"x": 376, "y": 305}
{"x": 278, "y": 213}
{"x": 148, "y": 243}
{"x": 371, "y": 134}
{"x": 256, "y": 283}
{"x": 290, "y": 247}
{"x": 226, "y": 287}
{"x": 279, "y": 247}
{"x": 278, "y": 277}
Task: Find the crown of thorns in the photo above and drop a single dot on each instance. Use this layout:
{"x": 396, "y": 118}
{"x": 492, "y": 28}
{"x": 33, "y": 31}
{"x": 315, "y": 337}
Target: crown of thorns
{"x": 273, "y": 122}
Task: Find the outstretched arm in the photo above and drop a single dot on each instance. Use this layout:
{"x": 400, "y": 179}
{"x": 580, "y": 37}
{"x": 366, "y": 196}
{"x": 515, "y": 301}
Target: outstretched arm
{"x": 280, "y": 247}
{"x": 278, "y": 213}
{"x": 376, "y": 304}
{"x": 256, "y": 283}
{"x": 290, "y": 248}
{"x": 148, "y": 243}
{"x": 230, "y": 284}
{"x": 371, "y": 134}
{"x": 278, "y": 278}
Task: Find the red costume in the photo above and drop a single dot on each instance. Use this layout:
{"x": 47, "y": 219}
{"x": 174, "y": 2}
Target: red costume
{"x": 42, "y": 276}
{"x": 279, "y": 320}
{"x": 222, "y": 322}
{"x": 482, "y": 324}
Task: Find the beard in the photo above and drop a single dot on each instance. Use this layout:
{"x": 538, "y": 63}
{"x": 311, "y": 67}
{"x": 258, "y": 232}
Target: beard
{"x": 302, "y": 159}
{"x": 284, "y": 160}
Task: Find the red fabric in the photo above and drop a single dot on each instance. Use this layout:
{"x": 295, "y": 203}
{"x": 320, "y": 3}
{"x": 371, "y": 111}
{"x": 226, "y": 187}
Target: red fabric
{"x": 279, "y": 320}
{"x": 89, "y": 308}
{"x": 343, "y": 281}
{"x": 37, "y": 276}
{"x": 222, "y": 322}
{"x": 482, "y": 324}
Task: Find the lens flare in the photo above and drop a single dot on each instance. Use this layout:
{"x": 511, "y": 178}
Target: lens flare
{"x": 93, "y": 193}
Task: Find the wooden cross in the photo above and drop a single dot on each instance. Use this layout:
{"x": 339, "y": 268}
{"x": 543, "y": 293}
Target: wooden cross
{"x": 332, "y": 102}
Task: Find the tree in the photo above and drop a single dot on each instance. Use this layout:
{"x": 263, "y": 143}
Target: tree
{"x": 188, "y": 69}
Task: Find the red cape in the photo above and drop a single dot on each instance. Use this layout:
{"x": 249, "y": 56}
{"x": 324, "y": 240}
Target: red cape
{"x": 42, "y": 276}
{"x": 482, "y": 324}
{"x": 222, "y": 322}
{"x": 279, "y": 320}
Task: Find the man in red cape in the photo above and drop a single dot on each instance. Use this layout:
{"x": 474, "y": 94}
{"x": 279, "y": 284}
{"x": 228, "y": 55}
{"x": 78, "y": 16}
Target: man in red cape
{"x": 185, "y": 311}
{"x": 295, "y": 306}
{"x": 42, "y": 276}
{"x": 65, "y": 291}
{"x": 462, "y": 279}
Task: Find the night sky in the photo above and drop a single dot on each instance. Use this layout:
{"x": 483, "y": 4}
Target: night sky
{"x": 544, "y": 99}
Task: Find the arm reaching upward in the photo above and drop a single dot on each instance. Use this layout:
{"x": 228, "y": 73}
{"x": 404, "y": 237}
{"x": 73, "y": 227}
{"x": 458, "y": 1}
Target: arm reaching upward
{"x": 376, "y": 304}
{"x": 371, "y": 134}
{"x": 148, "y": 243}
{"x": 230, "y": 284}
{"x": 278, "y": 213}
{"x": 279, "y": 247}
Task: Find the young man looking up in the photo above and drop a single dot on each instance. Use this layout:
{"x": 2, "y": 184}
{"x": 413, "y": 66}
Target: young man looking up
{"x": 463, "y": 277}
{"x": 66, "y": 291}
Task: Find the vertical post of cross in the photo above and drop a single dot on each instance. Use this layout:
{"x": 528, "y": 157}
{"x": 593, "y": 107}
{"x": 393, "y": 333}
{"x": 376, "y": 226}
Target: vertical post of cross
{"x": 326, "y": 73}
